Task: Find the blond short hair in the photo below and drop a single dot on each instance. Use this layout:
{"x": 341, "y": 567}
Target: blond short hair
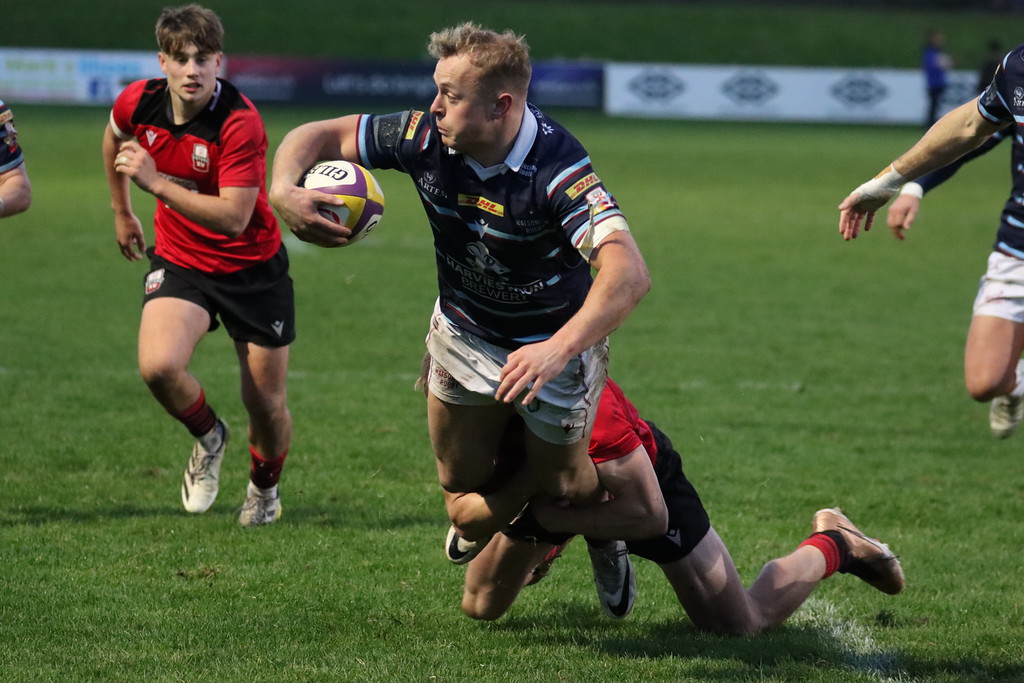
{"x": 178, "y": 27}
{"x": 503, "y": 58}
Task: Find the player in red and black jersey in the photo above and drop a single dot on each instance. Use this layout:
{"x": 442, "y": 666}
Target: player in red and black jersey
{"x": 198, "y": 145}
{"x": 652, "y": 506}
{"x": 15, "y": 188}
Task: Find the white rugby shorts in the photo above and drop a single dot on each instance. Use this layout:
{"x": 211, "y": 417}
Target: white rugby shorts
{"x": 1001, "y": 290}
{"x": 466, "y": 370}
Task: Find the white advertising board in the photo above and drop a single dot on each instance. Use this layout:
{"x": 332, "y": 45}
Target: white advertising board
{"x": 889, "y": 96}
{"x": 47, "y": 76}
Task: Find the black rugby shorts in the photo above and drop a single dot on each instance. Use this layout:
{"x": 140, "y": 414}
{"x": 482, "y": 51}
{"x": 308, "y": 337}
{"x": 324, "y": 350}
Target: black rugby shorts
{"x": 255, "y": 304}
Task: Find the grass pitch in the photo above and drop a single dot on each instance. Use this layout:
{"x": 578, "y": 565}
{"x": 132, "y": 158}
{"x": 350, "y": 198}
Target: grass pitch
{"x": 793, "y": 370}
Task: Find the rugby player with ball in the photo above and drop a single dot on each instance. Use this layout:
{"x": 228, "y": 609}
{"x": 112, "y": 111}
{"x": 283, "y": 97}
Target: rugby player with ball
{"x": 520, "y": 219}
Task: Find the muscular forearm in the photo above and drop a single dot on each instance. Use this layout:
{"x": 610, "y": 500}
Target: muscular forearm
{"x": 308, "y": 144}
{"x": 953, "y": 136}
{"x": 621, "y": 282}
{"x": 226, "y": 214}
{"x": 633, "y": 510}
{"x": 118, "y": 183}
{"x": 618, "y": 518}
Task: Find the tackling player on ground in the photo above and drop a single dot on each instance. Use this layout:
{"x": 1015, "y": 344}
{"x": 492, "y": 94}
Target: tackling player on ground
{"x": 198, "y": 145}
{"x": 642, "y": 473}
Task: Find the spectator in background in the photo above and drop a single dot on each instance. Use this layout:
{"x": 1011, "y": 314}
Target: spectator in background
{"x": 15, "y": 189}
{"x": 936, "y": 64}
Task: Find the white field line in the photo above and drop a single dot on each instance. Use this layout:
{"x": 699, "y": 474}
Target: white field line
{"x": 862, "y": 653}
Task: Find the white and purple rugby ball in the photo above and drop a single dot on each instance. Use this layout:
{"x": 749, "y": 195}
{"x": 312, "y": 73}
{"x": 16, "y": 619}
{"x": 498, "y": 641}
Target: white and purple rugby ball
{"x": 364, "y": 200}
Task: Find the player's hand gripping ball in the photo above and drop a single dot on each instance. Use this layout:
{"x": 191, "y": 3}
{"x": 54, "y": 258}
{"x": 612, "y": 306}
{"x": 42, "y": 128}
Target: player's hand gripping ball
{"x": 364, "y": 200}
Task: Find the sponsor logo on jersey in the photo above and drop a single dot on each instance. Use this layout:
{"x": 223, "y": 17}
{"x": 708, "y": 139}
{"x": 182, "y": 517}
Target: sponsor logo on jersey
{"x": 154, "y": 280}
{"x": 10, "y": 136}
{"x": 414, "y": 120}
{"x": 482, "y": 203}
{"x": 599, "y": 200}
{"x": 482, "y": 261}
{"x": 200, "y": 157}
{"x": 582, "y": 185}
{"x": 150, "y": 137}
{"x": 426, "y": 183}
{"x": 1018, "y": 97}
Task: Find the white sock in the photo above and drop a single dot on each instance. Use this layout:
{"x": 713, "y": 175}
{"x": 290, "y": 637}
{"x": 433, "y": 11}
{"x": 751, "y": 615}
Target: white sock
{"x": 213, "y": 439}
{"x": 255, "y": 490}
{"x": 1018, "y": 390}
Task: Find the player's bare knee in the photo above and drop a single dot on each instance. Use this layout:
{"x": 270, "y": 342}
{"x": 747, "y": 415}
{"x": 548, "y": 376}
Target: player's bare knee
{"x": 728, "y": 625}
{"x": 985, "y": 386}
{"x": 269, "y": 412}
{"x": 461, "y": 482}
{"x": 470, "y": 529}
{"x": 158, "y": 376}
{"x": 983, "y": 392}
{"x": 477, "y": 606}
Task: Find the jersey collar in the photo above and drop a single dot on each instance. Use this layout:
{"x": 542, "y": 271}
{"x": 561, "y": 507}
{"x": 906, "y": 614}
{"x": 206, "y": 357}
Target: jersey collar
{"x": 514, "y": 161}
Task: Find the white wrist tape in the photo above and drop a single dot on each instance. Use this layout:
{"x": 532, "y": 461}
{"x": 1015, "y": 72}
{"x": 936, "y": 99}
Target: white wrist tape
{"x": 883, "y": 186}
{"x": 913, "y": 189}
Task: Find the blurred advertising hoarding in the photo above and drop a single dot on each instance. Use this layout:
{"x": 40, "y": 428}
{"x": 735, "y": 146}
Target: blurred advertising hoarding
{"x": 395, "y": 84}
{"x": 49, "y": 76}
{"x": 740, "y": 92}
{"x": 57, "y": 76}
{"x": 837, "y": 95}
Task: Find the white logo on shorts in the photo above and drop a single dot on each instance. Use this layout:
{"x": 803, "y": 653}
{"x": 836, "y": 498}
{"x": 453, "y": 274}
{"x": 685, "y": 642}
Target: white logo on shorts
{"x": 154, "y": 280}
{"x": 278, "y": 326}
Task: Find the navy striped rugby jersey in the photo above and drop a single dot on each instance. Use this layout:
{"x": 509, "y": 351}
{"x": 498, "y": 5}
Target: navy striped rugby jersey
{"x": 1003, "y": 101}
{"x": 507, "y": 242}
{"x": 10, "y": 153}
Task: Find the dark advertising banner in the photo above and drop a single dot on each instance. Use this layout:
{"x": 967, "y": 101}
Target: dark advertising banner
{"x": 567, "y": 84}
{"x": 397, "y": 85}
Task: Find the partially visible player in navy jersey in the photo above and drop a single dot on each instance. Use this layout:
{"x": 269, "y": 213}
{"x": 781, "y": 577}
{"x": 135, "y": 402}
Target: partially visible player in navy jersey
{"x": 993, "y": 369}
{"x": 198, "y": 145}
{"x": 15, "y": 188}
{"x": 519, "y": 217}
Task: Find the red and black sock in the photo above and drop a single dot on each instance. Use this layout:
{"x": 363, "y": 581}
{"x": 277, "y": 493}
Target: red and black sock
{"x": 833, "y": 546}
{"x": 198, "y": 418}
{"x": 263, "y": 472}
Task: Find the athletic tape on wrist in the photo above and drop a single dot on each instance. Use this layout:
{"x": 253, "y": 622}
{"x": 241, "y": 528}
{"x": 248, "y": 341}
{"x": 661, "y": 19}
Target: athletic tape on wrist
{"x": 913, "y": 189}
{"x": 883, "y": 186}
